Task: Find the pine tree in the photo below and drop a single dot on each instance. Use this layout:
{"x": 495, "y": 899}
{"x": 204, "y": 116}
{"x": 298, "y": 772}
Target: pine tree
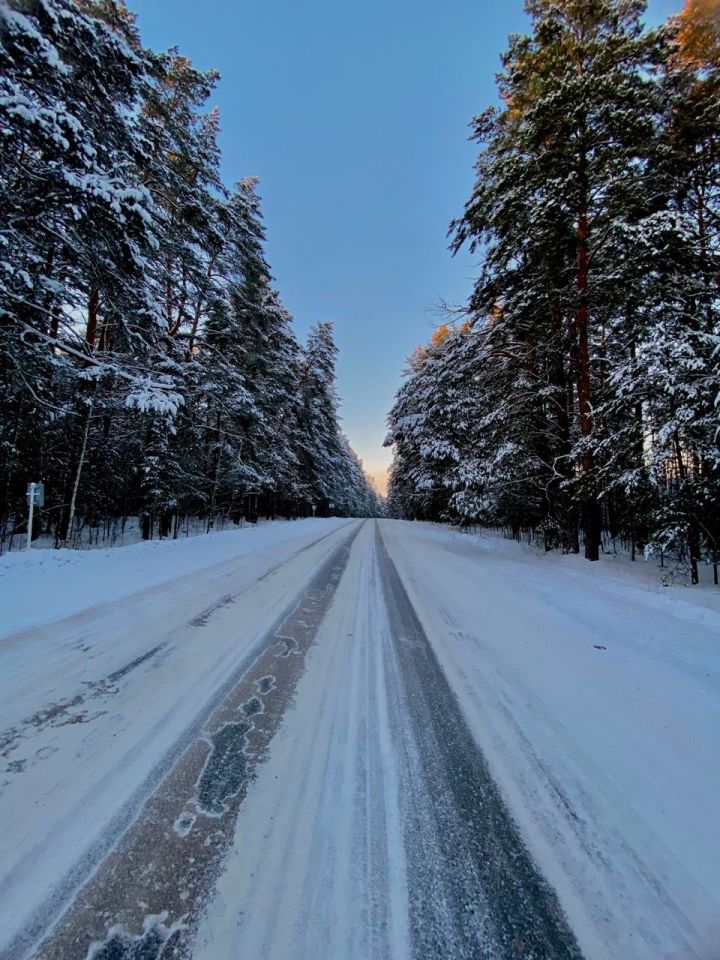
{"x": 321, "y": 450}
{"x": 147, "y": 365}
{"x": 666, "y": 378}
{"x": 78, "y": 222}
{"x": 555, "y": 180}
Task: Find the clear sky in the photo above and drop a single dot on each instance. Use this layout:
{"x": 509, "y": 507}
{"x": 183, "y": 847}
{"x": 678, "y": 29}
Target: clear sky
{"x": 354, "y": 114}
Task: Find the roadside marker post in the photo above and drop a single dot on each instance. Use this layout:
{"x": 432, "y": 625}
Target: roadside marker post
{"x": 35, "y": 495}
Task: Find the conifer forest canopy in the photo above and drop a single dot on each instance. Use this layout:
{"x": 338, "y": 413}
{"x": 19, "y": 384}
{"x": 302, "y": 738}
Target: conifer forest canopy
{"x": 148, "y": 368}
{"x": 579, "y": 394}
{"x": 147, "y": 365}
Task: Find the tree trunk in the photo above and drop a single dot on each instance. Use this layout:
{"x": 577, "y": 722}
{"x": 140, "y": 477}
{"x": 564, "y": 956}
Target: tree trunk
{"x": 92, "y": 318}
{"x": 216, "y": 481}
{"x": 146, "y": 526}
{"x": 562, "y": 468}
{"x": 693, "y": 528}
{"x": 78, "y": 473}
{"x": 590, "y": 507}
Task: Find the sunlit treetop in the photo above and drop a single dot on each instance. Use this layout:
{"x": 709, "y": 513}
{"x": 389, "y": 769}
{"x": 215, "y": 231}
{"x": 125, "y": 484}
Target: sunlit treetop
{"x": 699, "y": 36}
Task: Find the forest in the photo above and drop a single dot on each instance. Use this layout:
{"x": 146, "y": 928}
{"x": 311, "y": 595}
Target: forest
{"x": 576, "y": 398}
{"x": 148, "y": 368}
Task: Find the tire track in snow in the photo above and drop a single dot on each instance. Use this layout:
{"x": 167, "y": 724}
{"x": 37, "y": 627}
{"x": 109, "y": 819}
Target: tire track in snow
{"x": 474, "y": 891}
{"x": 143, "y": 899}
{"x": 203, "y": 618}
{"x": 317, "y": 868}
{"x": 71, "y": 710}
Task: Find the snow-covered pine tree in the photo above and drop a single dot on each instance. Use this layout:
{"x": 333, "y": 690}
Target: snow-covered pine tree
{"x": 552, "y": 188}
{"x": 331, "y": 477}
{"x": 428, "y": 427}
{"x": 667, "y": 377}
{"x": 80, "y": 225}
{"x": 590, "y": 378}
{"x": 147, "y": 366}
{"x": 321, "y": 453}
{"x": 265, "y": 465}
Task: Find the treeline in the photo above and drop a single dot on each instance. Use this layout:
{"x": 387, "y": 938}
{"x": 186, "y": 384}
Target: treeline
{"x": 147, "y": 365}
{"x": 580, "y": 394}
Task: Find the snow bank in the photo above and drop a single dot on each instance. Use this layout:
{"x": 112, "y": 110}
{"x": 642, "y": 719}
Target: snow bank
{"x": 40, "y": 586}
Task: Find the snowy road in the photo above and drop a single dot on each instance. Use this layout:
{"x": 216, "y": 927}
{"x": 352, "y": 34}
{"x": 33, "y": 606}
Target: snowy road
{"x": 354, "y": 742}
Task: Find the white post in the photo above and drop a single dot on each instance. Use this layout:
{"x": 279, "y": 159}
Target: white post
{"x": 31, "y": 498}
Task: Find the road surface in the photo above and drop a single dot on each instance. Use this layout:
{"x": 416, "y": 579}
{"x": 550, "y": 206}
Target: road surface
{"x": 269, "y": 760}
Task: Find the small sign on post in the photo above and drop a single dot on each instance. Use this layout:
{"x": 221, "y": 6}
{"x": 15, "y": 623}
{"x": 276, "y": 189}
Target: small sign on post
{"x": 36, "y": 497}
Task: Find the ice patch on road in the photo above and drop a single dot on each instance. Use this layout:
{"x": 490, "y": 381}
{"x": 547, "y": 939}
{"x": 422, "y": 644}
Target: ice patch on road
{"x": 225, "y": 769}
{"x": 253, "y": 707}
{"x": 266, "y": 684}
{"x": 184, "y": 823}
{"x": 121, "y": 945}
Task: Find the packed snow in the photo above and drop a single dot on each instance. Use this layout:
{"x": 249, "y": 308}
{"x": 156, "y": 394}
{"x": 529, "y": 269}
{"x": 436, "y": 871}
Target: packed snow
{"x": 72, "y": 580}
{"x": 595, "y": 695}
{"x": 133, "y": 645}
{"x": 591, "y": 690}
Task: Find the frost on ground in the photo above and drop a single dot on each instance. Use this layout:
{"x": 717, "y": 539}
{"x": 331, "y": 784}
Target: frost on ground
{"x": 39, "y": 586}
{"x": 596, "y": 698}
{"x": 93, "y": 705}
{"x": 485, "y": 749}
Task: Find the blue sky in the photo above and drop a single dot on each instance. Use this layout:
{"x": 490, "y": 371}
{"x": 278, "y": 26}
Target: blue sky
{"x": 354, "y": 115}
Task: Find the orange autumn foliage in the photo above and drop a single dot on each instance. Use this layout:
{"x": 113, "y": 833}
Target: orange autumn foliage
{"x": 440, "y": 335}
{"x": 699, "y": 36}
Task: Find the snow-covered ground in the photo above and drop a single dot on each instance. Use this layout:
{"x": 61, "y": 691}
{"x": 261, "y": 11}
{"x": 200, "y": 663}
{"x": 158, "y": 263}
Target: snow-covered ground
{"x": 132, "y": 645}
{"x": 41, "y": 585}
{"x": 595, "y": 696}
{"x": 372, "y": 826}
{"x": 317, "y": 867}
